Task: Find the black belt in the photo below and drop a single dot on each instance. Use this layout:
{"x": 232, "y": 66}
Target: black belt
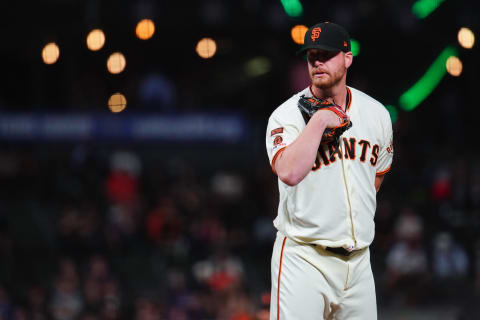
{"x": 340, "y": 251}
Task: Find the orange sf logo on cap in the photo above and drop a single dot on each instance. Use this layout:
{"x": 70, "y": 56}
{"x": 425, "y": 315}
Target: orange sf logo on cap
{"x": 316, "y": 33}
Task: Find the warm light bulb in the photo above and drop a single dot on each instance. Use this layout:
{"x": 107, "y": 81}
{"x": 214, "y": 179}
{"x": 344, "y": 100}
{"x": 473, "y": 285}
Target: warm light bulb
{"x": 117, "y": 102}
{"x": 298, "y": 33}
{"x": 206, "y": 48}
{"x": 50, "y": 53}
{"x": 145, "y": 29}
{"x": 95, "y": 40}
{"x": 466, "y": 38}
{"x": 116, "y": 63}
{"x": 454, "y": 66}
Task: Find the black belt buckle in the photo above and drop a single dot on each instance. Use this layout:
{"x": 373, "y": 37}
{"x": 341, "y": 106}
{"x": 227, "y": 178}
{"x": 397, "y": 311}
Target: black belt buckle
{"x": 340, "y": 251}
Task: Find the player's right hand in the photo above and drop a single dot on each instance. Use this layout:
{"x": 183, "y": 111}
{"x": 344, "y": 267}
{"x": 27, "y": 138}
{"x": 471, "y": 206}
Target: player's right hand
{"x": 329, "y": 118}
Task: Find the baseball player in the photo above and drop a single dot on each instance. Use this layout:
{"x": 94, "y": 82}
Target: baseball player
{"x": 321, "y": 261}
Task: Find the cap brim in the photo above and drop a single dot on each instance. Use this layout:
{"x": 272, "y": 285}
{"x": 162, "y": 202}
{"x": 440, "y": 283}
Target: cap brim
{"x": 317, "y": 46}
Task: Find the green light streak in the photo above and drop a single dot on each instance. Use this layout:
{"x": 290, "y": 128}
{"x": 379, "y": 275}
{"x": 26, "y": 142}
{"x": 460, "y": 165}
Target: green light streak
{"x": 293, "y": 8}
{"x": 422, "y": 8}
{"x": 428, "y": 82}
{"x": 355, "y": 46}
{"x": 393, "y": 112}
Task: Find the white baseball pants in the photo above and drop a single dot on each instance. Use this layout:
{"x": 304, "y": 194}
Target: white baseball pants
{"x": 310, "y": 283}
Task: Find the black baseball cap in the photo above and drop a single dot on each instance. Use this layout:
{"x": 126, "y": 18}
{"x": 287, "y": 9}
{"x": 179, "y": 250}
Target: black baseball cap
{"x": 326, "y": 36}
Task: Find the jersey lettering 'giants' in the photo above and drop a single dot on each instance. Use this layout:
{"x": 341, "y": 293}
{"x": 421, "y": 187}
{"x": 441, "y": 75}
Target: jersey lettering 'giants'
{"x": 329, "y": 155}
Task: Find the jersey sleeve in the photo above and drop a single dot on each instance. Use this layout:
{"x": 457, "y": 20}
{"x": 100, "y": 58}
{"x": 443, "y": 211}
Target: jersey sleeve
{"x": 280, "y": 133}
{"x": 385, "y": 156}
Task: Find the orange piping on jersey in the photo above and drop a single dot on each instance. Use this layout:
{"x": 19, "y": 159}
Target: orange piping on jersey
{"x": 381, "y": 173}
{"x": 349, "y": 98}
{"x": 279, "y": 274}
{"x": 275, "y": 158}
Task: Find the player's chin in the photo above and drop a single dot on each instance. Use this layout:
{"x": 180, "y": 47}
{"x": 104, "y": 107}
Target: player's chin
{"x": 322, "y": 83}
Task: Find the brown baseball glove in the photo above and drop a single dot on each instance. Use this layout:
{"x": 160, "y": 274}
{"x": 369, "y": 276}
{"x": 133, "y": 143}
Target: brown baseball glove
{"x": 309, "y": 105}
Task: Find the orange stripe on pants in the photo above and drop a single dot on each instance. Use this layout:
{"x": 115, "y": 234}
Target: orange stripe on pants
{"x": 279, "y": 274}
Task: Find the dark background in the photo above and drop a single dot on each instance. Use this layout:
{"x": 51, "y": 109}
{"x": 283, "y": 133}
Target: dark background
{"x": 94, "y": 228}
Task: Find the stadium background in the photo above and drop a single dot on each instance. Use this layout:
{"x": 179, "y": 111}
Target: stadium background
{"x": 164, "y": 210}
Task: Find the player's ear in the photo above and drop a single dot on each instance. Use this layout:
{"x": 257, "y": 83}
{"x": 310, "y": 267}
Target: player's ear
{"x": 348, "y": 59}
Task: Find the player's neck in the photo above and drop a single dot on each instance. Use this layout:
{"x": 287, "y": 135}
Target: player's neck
{"x": 337, "y": 94}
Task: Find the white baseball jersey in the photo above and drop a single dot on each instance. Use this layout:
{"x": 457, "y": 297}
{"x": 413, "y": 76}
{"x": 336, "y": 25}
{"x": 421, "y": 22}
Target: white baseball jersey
{"x": 334, "y": 205}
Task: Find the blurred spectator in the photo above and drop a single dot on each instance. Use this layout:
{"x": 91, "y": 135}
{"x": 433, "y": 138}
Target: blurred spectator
{"x": 449, "y": 258}
{"x": 441, "y": 187}
{"x": 407, "y": 270}
{"x": 20, "y": 314}
{"x": 98, "y": 269}
{"x": 163, "y": 223}
{"x": 122, "y": 224}
{"x": 67, "y": 302}
{"x": 147, "y": 309}
{"x": 450, "y": 265}
{"x": 112, "y": 301}
{"x": 208, "y": 228}
{"x": 79, "y": 230}
{"x": 227, "y": 186}
{"x": 183, "y": 302}
{"x": 101, "y": 291}
{"x": 237, "y": 307}
{"x": 122, "y": 184}
{"x": 92, "y": 292}
{"x": 219, "y": 272}
{"x": 122, "y": 189}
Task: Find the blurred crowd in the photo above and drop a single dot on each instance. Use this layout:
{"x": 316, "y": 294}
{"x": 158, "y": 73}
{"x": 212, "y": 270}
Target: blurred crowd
{"x": 95, "y": 233}
{"x": 110, "y": 235}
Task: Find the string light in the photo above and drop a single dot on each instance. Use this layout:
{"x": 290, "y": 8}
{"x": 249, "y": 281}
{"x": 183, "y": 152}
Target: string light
{"x": 454, "y": 66}
{"x": 145, "y": 29}
{"x": 95, "y": 40}
{"x": 50, "y": 53}
{"x": 466, "y": 38}
{"x": 206, "y": 48}
{"x": 117, "y": 102}
{"x": 298, "y": 33}
{"x": 116, "y": 63}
